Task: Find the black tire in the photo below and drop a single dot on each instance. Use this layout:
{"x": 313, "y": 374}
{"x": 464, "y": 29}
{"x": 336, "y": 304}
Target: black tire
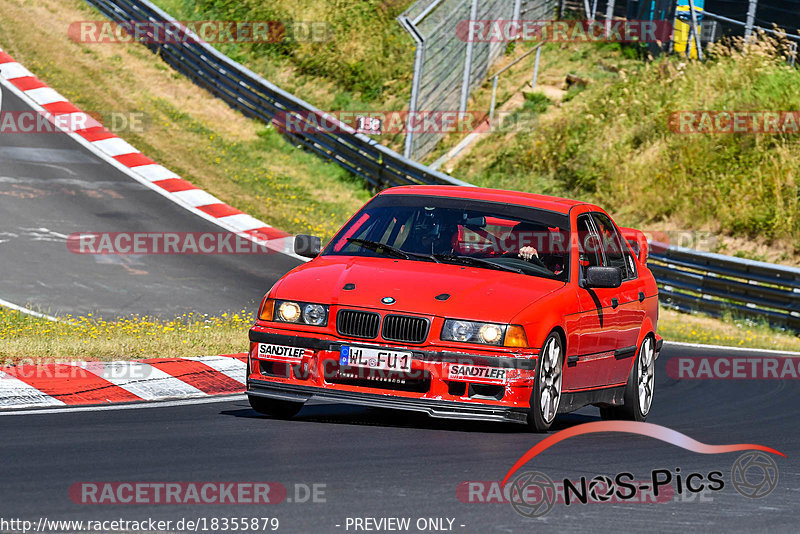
{"x": 550, "y": 368}
{"x": 634, "y": 407}
{"x": 278, "y": 409}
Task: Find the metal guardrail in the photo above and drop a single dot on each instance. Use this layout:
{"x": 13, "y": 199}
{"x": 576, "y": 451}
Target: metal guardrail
{"x": 715, "y": 284}
{"x": 688, "y": 280}
{"x": 254, "y": 96}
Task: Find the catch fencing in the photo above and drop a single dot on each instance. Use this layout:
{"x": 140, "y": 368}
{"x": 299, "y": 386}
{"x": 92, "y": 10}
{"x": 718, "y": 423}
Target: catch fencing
{"x": 447, "y": 65}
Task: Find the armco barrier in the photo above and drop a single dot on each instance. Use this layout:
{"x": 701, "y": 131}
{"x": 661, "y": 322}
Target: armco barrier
{"x": 254, "y": 96}
{"x": 715, "y": 284}
{"x": 688, "y": 280}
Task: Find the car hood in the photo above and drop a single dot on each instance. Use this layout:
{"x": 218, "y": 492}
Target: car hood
{"x": 475, "y": 293}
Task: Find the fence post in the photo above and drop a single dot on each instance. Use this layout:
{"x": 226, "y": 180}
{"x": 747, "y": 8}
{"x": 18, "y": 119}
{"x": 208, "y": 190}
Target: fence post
{"x": 751, "y": 18}
{"x": 494, "y": 99}
{"x": 609, "y": 17}
{"x": 468, "y": 59}
{"x": 536, "y": 67}
{"x": 517, "y": 9}
{"x": 419, "y": 57}
{"x": 695, "y": 32}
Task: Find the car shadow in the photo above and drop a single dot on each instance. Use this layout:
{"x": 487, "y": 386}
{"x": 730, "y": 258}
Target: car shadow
{"x": 345, "y": 414}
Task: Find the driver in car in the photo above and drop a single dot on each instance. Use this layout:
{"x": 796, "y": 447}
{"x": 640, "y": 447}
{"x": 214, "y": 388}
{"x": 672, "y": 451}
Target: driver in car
{"x": 523, "y": 235}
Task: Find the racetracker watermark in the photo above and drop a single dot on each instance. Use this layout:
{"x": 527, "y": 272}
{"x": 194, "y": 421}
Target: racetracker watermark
{"x": 156, "y": 243}
{"x": 734, "y": 368}
{"x": 36, "y": 122}
{"x": 575, "y": 31}
{"x": 180, "y": 493}
{"x": 206, "y": 31}
{"x": 734, "y": 122}
{"x": 396, "y": 122}
{"x": 53, "y": 368}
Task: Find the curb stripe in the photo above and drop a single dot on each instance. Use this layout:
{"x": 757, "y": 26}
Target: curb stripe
{"x": 26, "y": 83}
{"x": 219, "y": 210}
{"x": 143, "y": 380}
{"x": 84, "y": 383}
{"x": 70, "y": 384}
{"x": 231, "y": 367}
{"x": 198, "y": 375}
{"x": 174, "y": 184}
{"x": 15, "y": 393}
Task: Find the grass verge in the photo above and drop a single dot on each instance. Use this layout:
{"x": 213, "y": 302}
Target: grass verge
{"x": 24, "y": 338}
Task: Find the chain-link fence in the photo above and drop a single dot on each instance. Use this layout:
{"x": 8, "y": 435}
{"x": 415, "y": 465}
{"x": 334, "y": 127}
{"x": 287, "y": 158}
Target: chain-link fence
{"x": 447, "y": 66}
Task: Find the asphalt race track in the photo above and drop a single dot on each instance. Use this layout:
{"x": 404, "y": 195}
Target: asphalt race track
{"x": 50, "y": 187}
{"x": 378, "y": 463}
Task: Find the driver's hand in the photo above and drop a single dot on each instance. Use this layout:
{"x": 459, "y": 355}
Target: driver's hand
{"x": 527, "y": 253}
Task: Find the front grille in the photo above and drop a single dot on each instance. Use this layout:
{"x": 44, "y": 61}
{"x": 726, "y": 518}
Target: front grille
{"x": 405, "y": 328}
{"x": 358, "y": 323}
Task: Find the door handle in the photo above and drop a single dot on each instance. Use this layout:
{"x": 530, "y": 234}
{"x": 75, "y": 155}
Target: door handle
{"x": 614, "y": 303}
{"x": 641, "y": 296}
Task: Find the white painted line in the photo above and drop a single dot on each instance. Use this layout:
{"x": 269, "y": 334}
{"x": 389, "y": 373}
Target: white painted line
{"x": 734, "y": 349}
{"x": 21, "y": 309}
{"x": 44, "y": 96}
{"x": 196, "y": 197}
{"x": 134, "y": 406}
{"x": 144, "y": 381}
{"x": 154, "y": 172}
{"x": 16, "y": 393}
{"x": 114, "y": 146}
{"x": 231, "y": 367}
{"x": 242, "y": 222}
{"x": 13, "y": 70}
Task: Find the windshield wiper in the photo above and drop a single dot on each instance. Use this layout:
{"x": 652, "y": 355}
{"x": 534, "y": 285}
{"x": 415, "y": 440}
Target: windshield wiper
{"x": 389, "y": 250}
{"x": 477, "y": 262}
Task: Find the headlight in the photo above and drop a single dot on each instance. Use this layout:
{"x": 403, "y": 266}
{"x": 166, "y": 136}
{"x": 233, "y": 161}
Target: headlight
{"x": 315, "y": 314}
{"x": 483, "y": 333}
{"x": 287, "y": 311}
{"x": 472, "y": 332}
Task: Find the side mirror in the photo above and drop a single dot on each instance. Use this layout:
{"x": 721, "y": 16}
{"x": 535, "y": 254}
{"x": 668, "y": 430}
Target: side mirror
{"x": 308, "y": 246}
{"x": 607, "y": 277}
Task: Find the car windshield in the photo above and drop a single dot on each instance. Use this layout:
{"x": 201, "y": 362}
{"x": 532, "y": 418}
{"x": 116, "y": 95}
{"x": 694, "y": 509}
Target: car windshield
{"x": 483, "y": 234}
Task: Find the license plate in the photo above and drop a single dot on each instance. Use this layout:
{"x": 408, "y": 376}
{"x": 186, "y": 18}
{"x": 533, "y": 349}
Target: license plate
{"x": 387, "y": 360}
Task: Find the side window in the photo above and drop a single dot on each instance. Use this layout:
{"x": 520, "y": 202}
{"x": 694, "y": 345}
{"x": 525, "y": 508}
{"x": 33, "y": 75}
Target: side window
{"x": 612, "y": 245}
{"x": 588, "y": 244}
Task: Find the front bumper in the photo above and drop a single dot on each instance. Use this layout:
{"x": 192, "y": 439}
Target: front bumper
{"x": 312, "y": 370}
{"x": 441, "y": 409}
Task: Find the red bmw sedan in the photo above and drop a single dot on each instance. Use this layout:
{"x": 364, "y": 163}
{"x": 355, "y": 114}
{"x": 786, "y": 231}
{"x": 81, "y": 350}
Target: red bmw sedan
{"x": 463, "y": 303}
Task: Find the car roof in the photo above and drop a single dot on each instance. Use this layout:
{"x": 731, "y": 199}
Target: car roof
{"x": 556, "y": 204}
